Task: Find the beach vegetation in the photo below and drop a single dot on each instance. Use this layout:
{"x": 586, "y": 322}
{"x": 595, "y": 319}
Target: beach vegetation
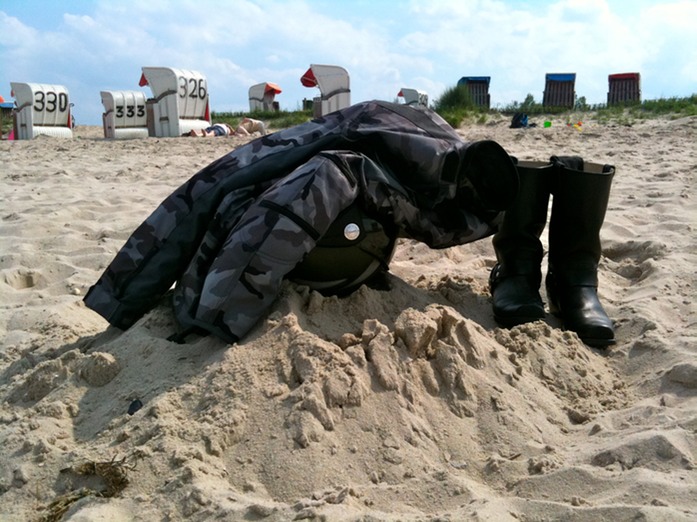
{"x": 272, "y": 119}
{"x": 674, "y": 107}
{"x": 457, "y": 108}
{"x": 5, "y": 122}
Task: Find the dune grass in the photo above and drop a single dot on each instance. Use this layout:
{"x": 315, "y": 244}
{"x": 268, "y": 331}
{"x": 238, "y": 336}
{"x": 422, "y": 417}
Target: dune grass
{"x": 671, "y": 107}
{"x": 457, "y": 108}
{"x": 272, "y": 119}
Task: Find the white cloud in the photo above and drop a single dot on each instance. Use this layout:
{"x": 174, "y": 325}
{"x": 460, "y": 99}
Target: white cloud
{"x": 384, "y": 46}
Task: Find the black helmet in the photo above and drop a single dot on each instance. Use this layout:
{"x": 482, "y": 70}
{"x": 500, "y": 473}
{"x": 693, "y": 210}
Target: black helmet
{"x": 354, "y": 249}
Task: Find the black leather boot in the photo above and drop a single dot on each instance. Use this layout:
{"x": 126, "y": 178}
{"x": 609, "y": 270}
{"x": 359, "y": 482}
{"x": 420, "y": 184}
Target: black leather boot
{"x": 515, "y": 279}
{"x": 580, "y": 197}
{"x": 488, "y": 180}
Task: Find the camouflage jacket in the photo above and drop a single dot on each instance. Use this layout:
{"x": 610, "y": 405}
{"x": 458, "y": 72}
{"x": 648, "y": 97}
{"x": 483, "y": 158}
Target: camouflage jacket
{"x": 230, "y": 234}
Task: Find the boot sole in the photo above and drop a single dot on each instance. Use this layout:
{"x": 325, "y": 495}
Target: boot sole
{"x": 597, "y": 343}
{"x": 510, "y": 322}
{"x": 593, "y": 342}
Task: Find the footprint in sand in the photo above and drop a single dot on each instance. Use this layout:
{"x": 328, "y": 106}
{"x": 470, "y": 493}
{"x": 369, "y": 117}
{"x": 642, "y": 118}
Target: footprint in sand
{"x": 22, "y": 278}
{"x": 634, "y": 260}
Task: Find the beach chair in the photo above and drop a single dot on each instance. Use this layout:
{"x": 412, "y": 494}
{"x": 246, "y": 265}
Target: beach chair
{"x": 125, "y": 115}
{"x": 261, "y": 97}
{"x": 413, "y": 97}
{"x": 624, "y": 88}
{"x": 478, "y": 88}
{"x": 41, "y": 109}
{"x": 559, "y": 90}
{"x": 333, "y": 83}
{"x": 180, "y": 101}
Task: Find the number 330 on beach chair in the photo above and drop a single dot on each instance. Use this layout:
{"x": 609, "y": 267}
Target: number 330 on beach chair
{"x": 41, "y": 109}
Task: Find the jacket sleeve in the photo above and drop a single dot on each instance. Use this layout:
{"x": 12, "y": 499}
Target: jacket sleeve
{"x": 273, "y": 235}
{"x": 445, "y": 225}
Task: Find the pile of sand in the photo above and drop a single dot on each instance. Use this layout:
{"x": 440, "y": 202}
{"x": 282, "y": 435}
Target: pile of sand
{"x": 405, "y": 404}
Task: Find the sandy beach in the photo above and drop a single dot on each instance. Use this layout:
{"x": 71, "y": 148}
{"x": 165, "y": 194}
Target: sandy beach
{"x": 408, "y": 404}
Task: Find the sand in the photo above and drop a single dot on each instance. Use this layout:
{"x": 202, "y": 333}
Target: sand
{"x": 407, "y": 404}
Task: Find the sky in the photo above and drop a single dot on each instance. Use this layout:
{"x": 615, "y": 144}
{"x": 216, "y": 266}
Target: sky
{"x": 91, "y": 46}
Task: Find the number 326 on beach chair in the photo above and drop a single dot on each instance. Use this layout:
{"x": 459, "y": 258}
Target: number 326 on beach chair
{"x": 41, "y": 109}
{"x": 180, "y": 101}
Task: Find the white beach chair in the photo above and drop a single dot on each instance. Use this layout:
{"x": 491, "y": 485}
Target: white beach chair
{"x": 261, "y": 96}
{"x": 180, "y": 101}
{"x": 125, "y": 115}
{"x": 333, "y": 82}
{"x": 413, "y": 97}
{"x": 41, "y": 109}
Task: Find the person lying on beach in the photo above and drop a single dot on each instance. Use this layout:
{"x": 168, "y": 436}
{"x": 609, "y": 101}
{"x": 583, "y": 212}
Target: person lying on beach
{"x": 217, "y": 129}
{"x": 247, "y": 127}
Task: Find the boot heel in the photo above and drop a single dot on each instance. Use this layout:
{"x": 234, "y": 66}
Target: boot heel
{"x": 552, "y": 296}
{"x": 516, "y": 298}
{"x": 580, "y": 311}
{"x": 554, "y": 308}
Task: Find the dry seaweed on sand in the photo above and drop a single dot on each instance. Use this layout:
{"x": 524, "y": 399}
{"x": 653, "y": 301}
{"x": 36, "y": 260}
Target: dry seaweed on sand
{"x": 112, "y": 474}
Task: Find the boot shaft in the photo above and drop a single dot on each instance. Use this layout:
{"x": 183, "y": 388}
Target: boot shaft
{"x": 581, "y": 192}
{"x": 517, "y": 242}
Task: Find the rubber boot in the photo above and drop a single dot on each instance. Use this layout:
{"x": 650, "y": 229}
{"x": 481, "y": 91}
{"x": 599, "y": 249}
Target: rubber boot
{"x": 515, "y": 279}
{"x": 580, "y": 197}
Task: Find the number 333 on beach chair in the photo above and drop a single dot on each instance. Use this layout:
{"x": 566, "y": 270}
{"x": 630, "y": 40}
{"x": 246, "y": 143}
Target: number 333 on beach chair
{"x": 125, "y": 116}
{"x": 41, "y": 109}
{"x": 180, "y": 102}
